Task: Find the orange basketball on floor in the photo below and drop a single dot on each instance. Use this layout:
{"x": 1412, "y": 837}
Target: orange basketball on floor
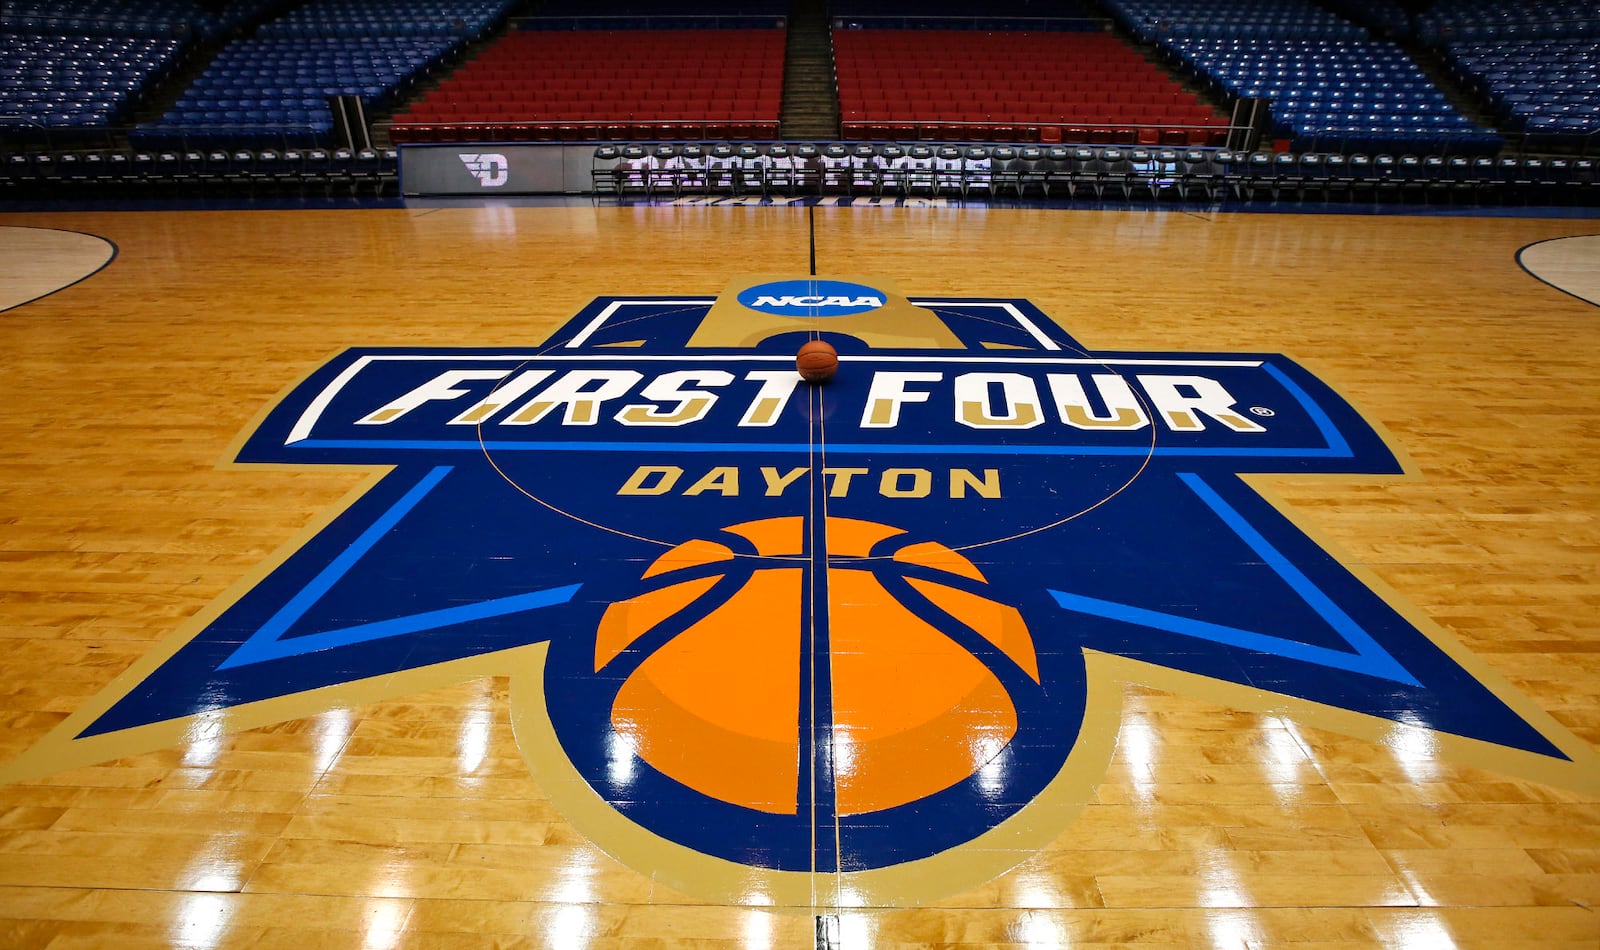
{"x": 817, "y": 362}
{"x": 911, "y": 710}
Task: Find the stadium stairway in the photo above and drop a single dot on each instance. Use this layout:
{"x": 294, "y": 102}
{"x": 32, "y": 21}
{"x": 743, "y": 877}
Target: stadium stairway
{"x": 1473, "y": 106}
{"x": 810, "y": 93}
{"x": 1160, "y": 59}
{"x": 165, "y": 95}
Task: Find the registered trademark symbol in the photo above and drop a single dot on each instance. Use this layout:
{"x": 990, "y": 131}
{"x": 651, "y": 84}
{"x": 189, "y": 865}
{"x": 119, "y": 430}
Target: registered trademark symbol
{"x": 1261, "y": 411}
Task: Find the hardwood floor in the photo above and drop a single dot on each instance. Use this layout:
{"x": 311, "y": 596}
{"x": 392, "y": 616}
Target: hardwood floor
{"x": 400, "y": 811}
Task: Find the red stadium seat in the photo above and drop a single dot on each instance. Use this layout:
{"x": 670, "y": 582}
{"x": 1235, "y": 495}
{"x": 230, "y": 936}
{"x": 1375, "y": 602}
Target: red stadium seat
{"x": 568, "y": 86}
{"x": 1021, "y": 83}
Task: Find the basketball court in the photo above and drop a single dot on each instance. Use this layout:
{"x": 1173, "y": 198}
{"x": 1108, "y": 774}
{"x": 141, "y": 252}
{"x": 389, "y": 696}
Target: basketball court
{"x": 470, "y": 575}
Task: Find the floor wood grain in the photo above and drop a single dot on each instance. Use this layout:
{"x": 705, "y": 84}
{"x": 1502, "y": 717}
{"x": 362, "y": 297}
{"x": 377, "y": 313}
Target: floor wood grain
{"x": 413, "y": 821}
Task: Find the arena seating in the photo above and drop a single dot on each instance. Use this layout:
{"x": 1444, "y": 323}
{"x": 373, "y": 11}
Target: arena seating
{"x": 383, "y": 18}
{"x": 1451, "y": 21}
{"x": 1537, "y": 64}
{"x": 71, "y": 86}
{"x": 261, "y": 92}
{"x": 1337, "y": 94}
{"x": 536, "y": 85}
{"x": 124, "y": 19}
{"x": 1548, "y": 89}
{"x": 273, "y": 89}
{"x": 70, "y": 72}
{"x": 1161, "y": 20}
{"x": 1087, "y": 173}
{"x": 1384, "y": 19}
{"x": 1010, "y": 87}
{"x": 658, "y": 15}
{"x": 1049, "y": 112}
{"x": 1330, "y": 86}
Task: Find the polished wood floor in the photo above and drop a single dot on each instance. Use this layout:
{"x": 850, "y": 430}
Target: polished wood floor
{"x": 413, "y": 821}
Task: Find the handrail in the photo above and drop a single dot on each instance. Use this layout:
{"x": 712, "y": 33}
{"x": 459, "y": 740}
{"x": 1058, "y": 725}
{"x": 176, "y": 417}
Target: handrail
{"x": 121, "y": 138}
{"x": 878, "y": 21}
{"x": 776, "y": 21}
{"x": 926, "y": 130}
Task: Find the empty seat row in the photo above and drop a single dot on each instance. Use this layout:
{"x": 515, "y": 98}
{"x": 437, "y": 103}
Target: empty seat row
{"x": 575, "y": 15}
{"x": 1158, "y": 20}
{"x": 290, "y": 81}
{"x": 654, "y": 172}
{"x": 1548, "y": 89}
{"x": 535, "y": 86}
{"x": 374, "y": 18}
{"x": 956, "y": 9}
{"x": 1301, "y": 81}
{"x": 944, "y": 84}
{"x": 1412, "y": 177}
{"x": 1446, "y": 21}
{"x": 180, "y": 172}
{"x": 636, "y": 8}
{"x": 409, "y": 129}
{"x": 56, "y": 83}
{"x": 129, "y": 18}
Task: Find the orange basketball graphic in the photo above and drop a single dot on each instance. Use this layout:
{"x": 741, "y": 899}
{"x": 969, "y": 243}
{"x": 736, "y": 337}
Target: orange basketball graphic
{"x": 910, "y": 710}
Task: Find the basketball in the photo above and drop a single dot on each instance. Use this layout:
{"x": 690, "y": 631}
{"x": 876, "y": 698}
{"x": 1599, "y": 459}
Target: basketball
{"x": 916, "y": 702}
{"x": 817, "y": 361}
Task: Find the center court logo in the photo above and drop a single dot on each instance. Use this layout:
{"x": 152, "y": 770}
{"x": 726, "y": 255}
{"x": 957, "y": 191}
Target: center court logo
{"x": 861, "y": 642}
{"x": 490, "y": 168}
{"x": 812, "y": 298}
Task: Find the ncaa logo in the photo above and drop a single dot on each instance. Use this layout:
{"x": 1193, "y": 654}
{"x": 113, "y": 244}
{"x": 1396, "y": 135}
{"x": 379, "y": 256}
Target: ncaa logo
{"x": 490, "y": 168}
{"x": 812, "y": 298}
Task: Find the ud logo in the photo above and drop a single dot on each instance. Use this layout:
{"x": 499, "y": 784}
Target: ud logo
{"x": 490, "y": 168}
{"x": 852, "y": 643}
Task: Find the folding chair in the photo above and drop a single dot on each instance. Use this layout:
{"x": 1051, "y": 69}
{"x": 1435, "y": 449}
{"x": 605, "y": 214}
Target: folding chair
{"x": 1075, "y": 169}
{"x": 662, "y": 178}
{"x": 634, "y": 171}
{"x": 721, "y": 174}
{"x": 1335, "y": 176}
{"x": 977, "y": 171}
{"x": 1256, "y": 176}
{"x": 1285, "y": 177}
{"x": 1225, "y": 162}
{"x": 890, "y": 172}
{"x": 1136, "y": 172}
{"x": 836, "y": 171}
{"x": 1485, "y": 180}
{"x": 1363, "y": 183}
{"x": 1388, "y": 183}
{"x": 1164, "y": 173}
{"x": 1122, "y": 177}
{"x": 691, "y": 169}
{"x": 807, "y": 176}
{"x": 919, "y": 178}
{"x": 1585, "y": 183}
{"x": 1313, "y": 174}
{"x": 341, "y": 168}
{"x": 287, "y": 169}
{"x": 1005, "y": 171}
{"x": 751, "y": 174}
{"x": 780, "y": 171}
{"x": 947, "y": 162}
{"x": 604, "y": 167}
{"x": 1436, "y": 178}
{"x": 866, "y": 175}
